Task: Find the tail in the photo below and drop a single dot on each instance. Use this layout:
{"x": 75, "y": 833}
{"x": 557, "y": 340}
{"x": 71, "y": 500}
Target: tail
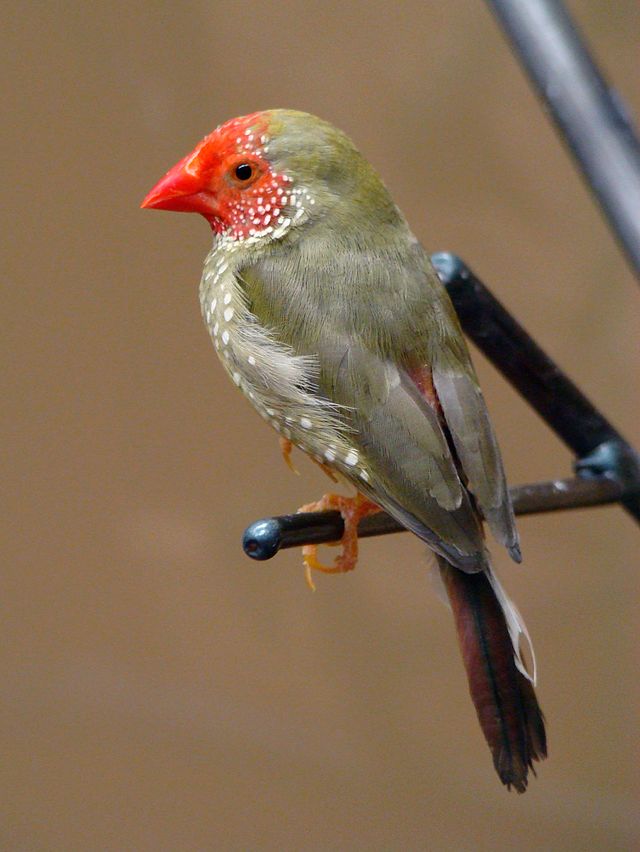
{"x": 502, "y": 692}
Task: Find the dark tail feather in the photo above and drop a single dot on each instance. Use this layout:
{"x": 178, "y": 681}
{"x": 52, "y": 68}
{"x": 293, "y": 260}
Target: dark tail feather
{"x": 505, "y": 701}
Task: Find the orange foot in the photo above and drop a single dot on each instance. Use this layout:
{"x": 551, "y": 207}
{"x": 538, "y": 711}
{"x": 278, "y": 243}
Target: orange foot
{"x": 352, "y": 509}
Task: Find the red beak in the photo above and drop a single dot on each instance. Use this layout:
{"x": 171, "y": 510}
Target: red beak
{"x": 183, "y": 189}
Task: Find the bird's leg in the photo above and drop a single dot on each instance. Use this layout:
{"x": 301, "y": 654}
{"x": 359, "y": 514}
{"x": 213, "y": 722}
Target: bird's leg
{"x": 352, "y": 509}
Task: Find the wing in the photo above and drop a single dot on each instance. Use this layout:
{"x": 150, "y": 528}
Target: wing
{"x": 467, "y": 417}
{"x": 398, "y": 433}
{"x": 423, "y": 423}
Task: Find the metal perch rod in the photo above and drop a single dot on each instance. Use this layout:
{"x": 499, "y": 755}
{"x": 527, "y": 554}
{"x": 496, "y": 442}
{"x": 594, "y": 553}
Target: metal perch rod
{"x": 263, "y": 539}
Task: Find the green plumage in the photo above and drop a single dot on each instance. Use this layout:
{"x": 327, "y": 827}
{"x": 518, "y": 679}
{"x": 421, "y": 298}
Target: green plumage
{"x": 327, "y": 314}
{"x": 354, "y": 290}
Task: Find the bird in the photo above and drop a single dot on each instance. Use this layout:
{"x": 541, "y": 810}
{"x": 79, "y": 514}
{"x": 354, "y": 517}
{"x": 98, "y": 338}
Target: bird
{"x": 327, "y": 314}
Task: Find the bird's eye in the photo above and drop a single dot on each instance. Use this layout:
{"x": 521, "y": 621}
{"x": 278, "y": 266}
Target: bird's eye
{"x": 243, "y": 172}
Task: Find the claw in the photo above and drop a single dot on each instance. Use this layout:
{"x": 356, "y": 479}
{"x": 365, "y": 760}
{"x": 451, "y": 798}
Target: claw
{"x": 286, "y": 446}
{"x": 352, "y": 509}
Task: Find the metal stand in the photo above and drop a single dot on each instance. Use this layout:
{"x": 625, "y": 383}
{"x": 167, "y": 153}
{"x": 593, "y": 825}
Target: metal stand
{"x": 593, "y": 122}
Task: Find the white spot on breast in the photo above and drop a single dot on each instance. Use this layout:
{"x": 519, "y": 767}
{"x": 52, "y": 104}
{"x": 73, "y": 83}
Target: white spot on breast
{"x": 282, "y": 228}
{"x": 215, "y": 329}
{"x": 330, "y": 454}
{"x": 228, "y": 314}
{"x": 305, "y": 423}
{"x": 237, "y": 378}
{"x": 364, "y": 475}
{"x": 351, "y": 458}
{"x": 225, "y": 340}
{"x": 251, "y": 360}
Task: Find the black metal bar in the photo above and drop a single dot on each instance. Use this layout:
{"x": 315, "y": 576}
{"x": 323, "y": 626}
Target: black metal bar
{"x": 599, "y": 447}
{"x": 263, "y": 539}
{"x": 590, "y": 116}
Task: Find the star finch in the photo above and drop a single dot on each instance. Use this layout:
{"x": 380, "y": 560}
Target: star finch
{"x": 327, "y": 314}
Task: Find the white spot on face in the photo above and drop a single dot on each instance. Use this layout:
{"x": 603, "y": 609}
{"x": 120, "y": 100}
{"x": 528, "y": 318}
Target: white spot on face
{"x": 351, "y": 458}
{"x": 228, "y": 314}
{"x": 305, "y": 423}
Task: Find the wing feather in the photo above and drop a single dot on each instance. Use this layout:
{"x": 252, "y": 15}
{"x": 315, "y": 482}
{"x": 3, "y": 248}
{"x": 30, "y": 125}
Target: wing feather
{"x": 468, "y": 420}
{"x": 415, "y": 477}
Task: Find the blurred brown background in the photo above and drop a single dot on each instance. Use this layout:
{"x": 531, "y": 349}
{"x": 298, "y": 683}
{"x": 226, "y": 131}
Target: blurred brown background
{"x": 161, "y": 691}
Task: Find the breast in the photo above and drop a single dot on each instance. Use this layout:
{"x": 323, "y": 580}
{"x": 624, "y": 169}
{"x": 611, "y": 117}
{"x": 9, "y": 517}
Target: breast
{"x": 279, "y": 383}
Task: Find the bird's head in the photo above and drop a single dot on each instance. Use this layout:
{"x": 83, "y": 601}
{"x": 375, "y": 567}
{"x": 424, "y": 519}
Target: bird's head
{"x": 256, "y": 177}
